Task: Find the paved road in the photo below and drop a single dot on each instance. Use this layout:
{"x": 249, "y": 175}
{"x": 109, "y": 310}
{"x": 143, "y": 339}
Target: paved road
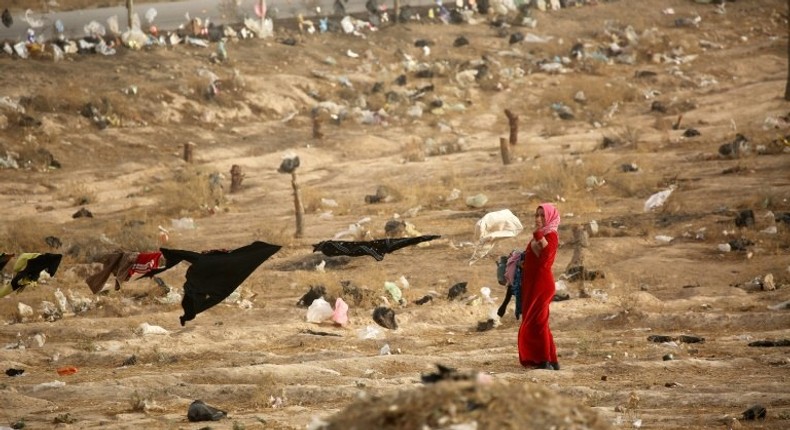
{"x": 172, "y": 14}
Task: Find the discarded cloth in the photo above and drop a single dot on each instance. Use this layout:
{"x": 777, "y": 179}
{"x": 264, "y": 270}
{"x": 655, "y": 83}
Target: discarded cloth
{"x": 213, "y": 275}
{"x": 492, "y": 227}
{"x": 199, "y": 411}
{"x": 373, "y": 248}
{"x": 123, "y": 265}
{"x": 28, "y": 268}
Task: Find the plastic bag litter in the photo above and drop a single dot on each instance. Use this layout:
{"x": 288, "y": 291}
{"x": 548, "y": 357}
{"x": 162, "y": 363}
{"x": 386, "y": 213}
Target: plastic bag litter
{"x": 533, "y": 38}
{"x": 658, "y": 199}
{"x": 57, "y": 53}
{"x": 347, "y": 24}
{"x": 183, "y": 223}
{"x": 196, "y": 42}
{"x": 663, "y": 239}
{"x": 385, "y": 350}
{"x": 63, "y": 303}
{"x": 21, "y": 50}
{"x": 150, "y": 15}
{"x": 394, "y": 291}
{"x": 112, "y": 23}
{"x": 369, "y": 332}
{"x": 53, "y": 384}
{"x": 319, "y": 311}
{"x": 485, "y": 292}
{"x": 134, "y": 39}
{"x": 172, "y": 297}
{"x": 340, "y": 314}
{"x": 146, "y": 329}
{"x": 494, "y": 226}
{"x": 93, "y": 28}
{"x": 262, "y": 31}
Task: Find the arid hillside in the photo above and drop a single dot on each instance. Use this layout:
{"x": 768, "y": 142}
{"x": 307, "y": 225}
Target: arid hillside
{"x": 398, "y": 130}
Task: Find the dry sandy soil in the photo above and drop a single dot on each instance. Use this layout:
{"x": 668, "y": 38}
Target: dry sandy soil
{"x": 264, "y": 365}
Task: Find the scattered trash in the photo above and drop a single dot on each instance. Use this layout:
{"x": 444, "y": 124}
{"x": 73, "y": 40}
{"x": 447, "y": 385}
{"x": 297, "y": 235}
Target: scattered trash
{"x": 745, "y": 218}
{"x": 425, "y": 299}
{"x": 656, "y": 338}
{"x": 340, "y": 313}
{"x": 736, "y": 148}
{"x": 456, "y": 291}
{"x": 82, "y": 213}
{"x": 486, "y": 325}
{"x": 664, "y": 239}
{"x": 385, "y": 317}
{"x": 185, "y": 223}
{"x": 199, "y": 411}
{"x": 146, "y": 329}
{"x": 319, "y": 311}
{"x": 45, "y": 385}
{"x": 477, "y": 201}
{"x": 485, "y": 292}
{"x": 14, "y": 372}
{"x": 756, "y": 412}
{"x": 770, "y": 343}
{"x": 658, "y": 199}
{"x": 67, "y": 370}
{"x": 492, "y": 227}
{"x": 315, "y": 292}
{"x": 394, "y": 291}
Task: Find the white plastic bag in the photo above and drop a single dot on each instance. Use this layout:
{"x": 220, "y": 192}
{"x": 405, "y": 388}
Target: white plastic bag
{"x": 658, "y": 199}
{"x": 319, "y": 311}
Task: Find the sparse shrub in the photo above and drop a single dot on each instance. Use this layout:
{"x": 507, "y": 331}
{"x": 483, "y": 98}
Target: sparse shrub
{"x": 25, "y": 235}
{"x": 190, "y": 191}
{"x": 137, "y": 236}
{"x": 137, "y": 402}
{"x": 78, "y": 193}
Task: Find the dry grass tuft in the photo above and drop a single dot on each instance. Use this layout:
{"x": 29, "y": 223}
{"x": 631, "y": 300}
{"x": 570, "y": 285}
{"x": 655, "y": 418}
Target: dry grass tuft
{"x": 25, "y": 235}
{"x": 189, "y": 192}
{"x": 78, "y": 193}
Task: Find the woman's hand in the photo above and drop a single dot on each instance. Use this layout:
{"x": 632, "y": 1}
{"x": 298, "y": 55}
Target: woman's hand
{"x": 540, "y": 238}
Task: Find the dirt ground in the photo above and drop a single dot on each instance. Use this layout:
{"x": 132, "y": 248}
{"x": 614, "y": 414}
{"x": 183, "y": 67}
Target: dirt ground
{"x": 665, "y": 270}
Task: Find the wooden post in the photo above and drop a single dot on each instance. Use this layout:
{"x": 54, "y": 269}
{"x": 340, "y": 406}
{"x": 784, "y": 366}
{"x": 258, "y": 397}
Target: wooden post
{"x": 505, "y": 149}
{"x": 129, "y": 12}
{"x": 317, "y": 126}
{"x": 236, "y": 177}
{"x": 513, "y": 121}
{"x": 396, "y": 18}
{"x": 188, "y": 148}
{"x": 298, "y": 207}
{"x": 676, "y": 125}
{"x": 580, "y": 236}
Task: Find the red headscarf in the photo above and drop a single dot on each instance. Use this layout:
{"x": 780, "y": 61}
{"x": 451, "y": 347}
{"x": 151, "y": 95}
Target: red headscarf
{"x": 552, "y": 216}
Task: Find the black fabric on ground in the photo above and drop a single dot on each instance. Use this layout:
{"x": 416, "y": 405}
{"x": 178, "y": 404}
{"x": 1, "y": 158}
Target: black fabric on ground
{"x": 373, "y": 248}
{"x": 214, "y": 275}
{"x": 199, "y": 411}
{"x": 385, "y": 317}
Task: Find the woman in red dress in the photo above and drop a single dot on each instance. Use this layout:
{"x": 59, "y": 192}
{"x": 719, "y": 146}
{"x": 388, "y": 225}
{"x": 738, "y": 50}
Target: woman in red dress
{"x": 536, "y": 347}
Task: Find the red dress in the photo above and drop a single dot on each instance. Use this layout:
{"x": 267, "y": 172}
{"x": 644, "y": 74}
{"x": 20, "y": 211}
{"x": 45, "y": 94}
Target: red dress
{"x": 535, "y": 342}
